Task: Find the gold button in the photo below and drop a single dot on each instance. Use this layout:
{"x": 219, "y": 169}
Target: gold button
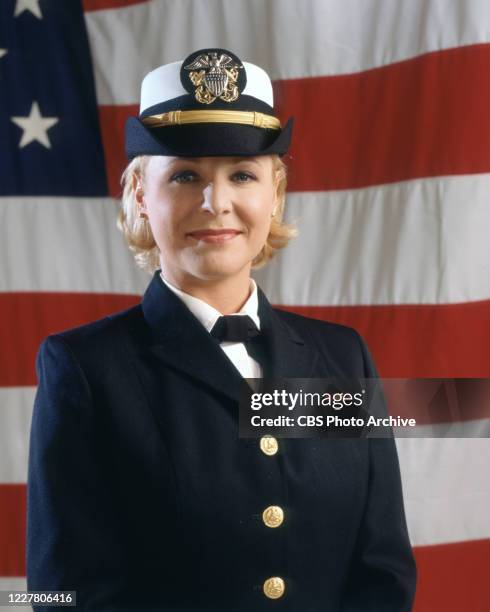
{"x": 273, "y": 516}
{"x": 269, "y": 445}
{"x": 274, "y": 587}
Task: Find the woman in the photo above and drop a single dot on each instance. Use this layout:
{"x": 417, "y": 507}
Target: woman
{"x": 141, "y": 494}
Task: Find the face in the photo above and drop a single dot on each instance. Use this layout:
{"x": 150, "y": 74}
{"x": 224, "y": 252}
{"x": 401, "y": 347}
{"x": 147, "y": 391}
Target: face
{"x": 210, "y": 216}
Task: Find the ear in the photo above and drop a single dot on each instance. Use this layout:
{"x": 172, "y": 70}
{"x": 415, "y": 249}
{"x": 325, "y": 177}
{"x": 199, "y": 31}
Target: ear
{"x": 139, "y": 193}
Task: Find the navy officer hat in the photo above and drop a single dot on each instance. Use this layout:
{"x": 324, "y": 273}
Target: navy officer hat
{"x": 210, "y": 104}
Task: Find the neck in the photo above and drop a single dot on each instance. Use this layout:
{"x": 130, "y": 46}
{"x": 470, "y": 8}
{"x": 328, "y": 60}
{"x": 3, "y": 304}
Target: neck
{"x": 226, "y": 295}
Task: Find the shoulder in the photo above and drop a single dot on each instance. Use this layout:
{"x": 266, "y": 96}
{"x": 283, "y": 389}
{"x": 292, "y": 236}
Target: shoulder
{"x": 97, "y": 340}
{"x": 342, "y": 346}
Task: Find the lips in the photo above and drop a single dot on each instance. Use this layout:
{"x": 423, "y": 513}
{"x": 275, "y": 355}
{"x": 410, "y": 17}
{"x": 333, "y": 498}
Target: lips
{"x": 216, "y": 236}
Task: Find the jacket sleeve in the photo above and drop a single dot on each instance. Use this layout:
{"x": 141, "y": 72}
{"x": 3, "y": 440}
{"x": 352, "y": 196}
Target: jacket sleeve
{"x": 383, "y": 575}
{"x": 73, "y": 541}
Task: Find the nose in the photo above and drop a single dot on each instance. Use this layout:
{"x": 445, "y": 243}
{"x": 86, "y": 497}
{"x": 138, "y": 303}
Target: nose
{"x": 216, "y": 198}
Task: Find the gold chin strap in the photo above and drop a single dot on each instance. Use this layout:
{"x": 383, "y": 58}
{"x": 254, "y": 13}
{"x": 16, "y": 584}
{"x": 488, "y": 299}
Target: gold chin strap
{"x": 259, "y": 120}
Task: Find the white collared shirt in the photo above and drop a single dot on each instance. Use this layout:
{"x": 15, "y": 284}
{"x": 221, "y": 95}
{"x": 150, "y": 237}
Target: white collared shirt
{"x": 207, "y": 315}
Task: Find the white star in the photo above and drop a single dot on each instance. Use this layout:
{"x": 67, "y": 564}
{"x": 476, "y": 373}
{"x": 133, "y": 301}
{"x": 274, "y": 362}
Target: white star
{"x": 35, "y": 127}
{"x": 3, "y": 52}
{"x": 28, "y": 5}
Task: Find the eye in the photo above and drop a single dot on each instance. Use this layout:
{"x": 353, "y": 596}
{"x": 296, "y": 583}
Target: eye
{"x": 243, "y": 177}
{"x": 185, "y": 176}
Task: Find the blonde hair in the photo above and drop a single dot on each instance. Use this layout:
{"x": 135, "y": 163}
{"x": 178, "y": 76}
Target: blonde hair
{"x": 139, "y": 237}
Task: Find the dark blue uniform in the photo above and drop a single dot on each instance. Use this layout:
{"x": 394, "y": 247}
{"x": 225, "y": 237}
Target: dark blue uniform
{"x": 141, "y": 494}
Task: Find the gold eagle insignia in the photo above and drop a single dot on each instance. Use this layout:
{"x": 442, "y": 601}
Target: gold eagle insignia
{"x": 214, "y": 77}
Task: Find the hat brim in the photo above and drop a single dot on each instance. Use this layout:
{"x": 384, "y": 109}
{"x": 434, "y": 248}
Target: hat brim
{"x": 205, "y": 139}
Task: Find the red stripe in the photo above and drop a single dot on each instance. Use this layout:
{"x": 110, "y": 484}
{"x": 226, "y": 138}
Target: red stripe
{"x": 112, "y": 120}
{"x": 27, "y": 318}
{"x": 12, "y": 529}
{"x": 397, "y": 335}
{"x": 427, "y": 116}
{"x": 418, "y": 341}
{"x": 453, "y": 577}
{"x": 433, "y": 401}
{"x": 98, "y": 5}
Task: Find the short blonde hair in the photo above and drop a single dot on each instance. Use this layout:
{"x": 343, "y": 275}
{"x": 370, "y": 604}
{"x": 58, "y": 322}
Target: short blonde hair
{"x": 139, "y": 237}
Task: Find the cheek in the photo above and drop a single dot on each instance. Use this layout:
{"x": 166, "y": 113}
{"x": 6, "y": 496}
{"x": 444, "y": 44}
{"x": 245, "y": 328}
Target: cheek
{"x": 164, "y": 209}
{"x": 166, "y": 217}
{"x": 259, "y": 216}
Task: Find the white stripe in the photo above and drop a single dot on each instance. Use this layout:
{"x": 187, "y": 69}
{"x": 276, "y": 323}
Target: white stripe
{"x": 16, "y": 405}
{"x": 479, "y": 428}
{"x": 391, "y": 244}
{"x": 446, "y": 488}
{"x": 445, "y": 481}
{"x": 288, "y": 38}
{"x": 14, "y": 584}
{"x": 66, "y": 244}
{"x": 416, "y": 242}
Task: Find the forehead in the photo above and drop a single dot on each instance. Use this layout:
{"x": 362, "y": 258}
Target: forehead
{"x": 161, "y": 162}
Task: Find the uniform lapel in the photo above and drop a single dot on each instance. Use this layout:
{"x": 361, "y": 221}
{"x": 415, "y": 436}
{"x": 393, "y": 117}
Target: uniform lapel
{"x": 289, "y": 356}
{"x": 179, "y": 340}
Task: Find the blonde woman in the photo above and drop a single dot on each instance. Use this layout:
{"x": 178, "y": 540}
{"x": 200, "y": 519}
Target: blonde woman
{"x": 141, "y": 494}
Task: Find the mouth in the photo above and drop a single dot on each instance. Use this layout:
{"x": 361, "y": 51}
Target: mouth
{"x": 215, "y": 236}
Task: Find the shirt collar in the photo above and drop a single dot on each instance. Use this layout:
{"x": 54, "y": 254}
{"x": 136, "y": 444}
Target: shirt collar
{"x": 208, "y": 315}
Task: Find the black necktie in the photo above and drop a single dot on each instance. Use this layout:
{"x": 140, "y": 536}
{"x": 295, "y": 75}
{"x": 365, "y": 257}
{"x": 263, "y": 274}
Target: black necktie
{"x": 234, "y": 328}
{"x": 241, "y": 328}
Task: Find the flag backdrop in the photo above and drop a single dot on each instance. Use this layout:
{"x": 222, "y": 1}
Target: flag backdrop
{"x": 389, "y": 187}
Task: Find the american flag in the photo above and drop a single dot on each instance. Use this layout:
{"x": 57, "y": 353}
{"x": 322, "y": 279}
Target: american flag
{"x": 389, "y": 187}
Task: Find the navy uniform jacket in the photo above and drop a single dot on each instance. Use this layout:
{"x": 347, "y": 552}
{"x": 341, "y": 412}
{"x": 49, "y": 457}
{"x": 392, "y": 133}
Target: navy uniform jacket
{"x": 141, "y": 494}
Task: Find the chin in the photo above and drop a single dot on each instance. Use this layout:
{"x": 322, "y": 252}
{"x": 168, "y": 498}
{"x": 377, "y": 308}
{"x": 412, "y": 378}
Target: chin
{"x": 218, "y": 269}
